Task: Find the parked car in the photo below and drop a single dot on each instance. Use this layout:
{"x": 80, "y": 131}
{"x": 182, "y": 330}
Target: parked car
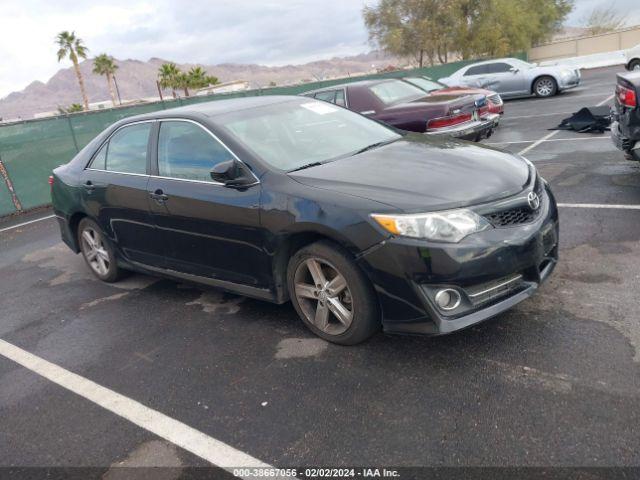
{"x": 432, "y": 87}
{"x": 288, "y": 198}
{"x": 632, "y": 57}
{"x": 511, "y": 77}
{"x": 408, "y": 107}
{"x": 625, "y": 127}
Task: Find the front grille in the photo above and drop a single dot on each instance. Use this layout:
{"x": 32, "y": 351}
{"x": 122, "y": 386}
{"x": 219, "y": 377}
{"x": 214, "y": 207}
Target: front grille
{"x": 518, "y": 215}
{"x": 514, "y": 216}
{"x": 495, "y": 99}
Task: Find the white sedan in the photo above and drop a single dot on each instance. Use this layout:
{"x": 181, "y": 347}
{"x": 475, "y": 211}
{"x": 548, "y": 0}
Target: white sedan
{"x": 512, "y": 77}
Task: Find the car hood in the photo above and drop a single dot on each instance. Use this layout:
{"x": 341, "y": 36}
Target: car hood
{"x": 416, "y": 174}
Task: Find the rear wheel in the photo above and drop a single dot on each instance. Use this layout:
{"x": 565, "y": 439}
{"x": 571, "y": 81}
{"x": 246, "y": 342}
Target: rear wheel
{"x": 634, "y": 64}
{"x": 97, "y": 251}
{"x": 332, "y": 296}
{"x": 545, "y": 87}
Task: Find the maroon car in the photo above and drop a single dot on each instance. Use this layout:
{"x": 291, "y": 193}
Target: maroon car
{"x": 494, "y": 101}
{"x": 408, "y": 107}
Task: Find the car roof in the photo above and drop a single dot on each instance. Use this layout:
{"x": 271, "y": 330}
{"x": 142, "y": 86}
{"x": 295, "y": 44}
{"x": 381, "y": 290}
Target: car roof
{"x": 359, "y": 83}
{"x": 214, "y": 107}
{"x": 493, "y": 60}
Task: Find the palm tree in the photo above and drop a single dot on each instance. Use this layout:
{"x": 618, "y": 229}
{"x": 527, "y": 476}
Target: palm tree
{"x": 104, "y": 64}
{"x": 72, "y": 47}
{"x": 182, "y": 81}
{"x": 198, "y": 78}
{"x": 168, "y": 75}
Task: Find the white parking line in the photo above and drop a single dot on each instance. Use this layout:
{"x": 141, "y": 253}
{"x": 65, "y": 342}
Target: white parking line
{"x": 178, "y": 433}
{"x": 555, "y": 132}
{"x": 25, "y": 223}
{"x": 606, "y": 137}
{"x": 599, "y": 205}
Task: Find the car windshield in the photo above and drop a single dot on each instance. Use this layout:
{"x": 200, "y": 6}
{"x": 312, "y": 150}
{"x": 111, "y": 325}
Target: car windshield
{"x": 425, "y": 84}
{"x": 396, "y": 91}
{"x": 292, "y": 134}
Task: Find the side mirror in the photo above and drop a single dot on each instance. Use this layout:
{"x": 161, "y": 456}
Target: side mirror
{"x": 231, "y": 173}
{"x": 514, "y": 69}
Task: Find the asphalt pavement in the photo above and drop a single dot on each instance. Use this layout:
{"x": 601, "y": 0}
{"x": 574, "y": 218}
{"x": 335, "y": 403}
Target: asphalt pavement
{"x": 555, "y": 382}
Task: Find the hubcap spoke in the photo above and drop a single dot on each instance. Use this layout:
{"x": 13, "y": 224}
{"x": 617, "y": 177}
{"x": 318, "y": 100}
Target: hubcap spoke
{"x": 337, "y": 285}
{"x": 316, "y": 272}
{"x": 102, "y": 265}
{"x": 340, "y": 311}
{"x": 306, "y": 291}
{"x": 86, "y": 235}
{"x": 322, "y": 317}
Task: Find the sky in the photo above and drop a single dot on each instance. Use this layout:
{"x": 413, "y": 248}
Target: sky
{"x": 268, "y": 32}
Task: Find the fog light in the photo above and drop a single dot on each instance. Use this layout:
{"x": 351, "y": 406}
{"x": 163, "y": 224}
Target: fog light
{"x": 448, "y": 299}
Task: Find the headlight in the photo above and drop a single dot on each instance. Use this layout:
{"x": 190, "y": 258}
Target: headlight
{"x": 565, "y": 73}
{"x": 446, "y": 226}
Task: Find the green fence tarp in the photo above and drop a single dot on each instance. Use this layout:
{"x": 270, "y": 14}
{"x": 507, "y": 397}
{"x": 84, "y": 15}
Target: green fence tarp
{"x": 31, "y": 149}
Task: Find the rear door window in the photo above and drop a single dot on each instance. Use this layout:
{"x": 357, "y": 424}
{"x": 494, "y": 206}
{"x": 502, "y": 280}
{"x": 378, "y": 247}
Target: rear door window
{"x": 186, "y": 151}
{"x": 127, "y": 149}
{"x": 477, "y": 70}
{"x": 340, "y": 100}
{"x": 499, "y": 67}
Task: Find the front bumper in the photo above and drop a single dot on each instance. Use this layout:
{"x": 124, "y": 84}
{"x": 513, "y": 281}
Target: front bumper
{"x": 493, "y": 117}
{"x": 571, "y": 82}
{"x": 474, "y": 130}
{"x": 407, "y": 272}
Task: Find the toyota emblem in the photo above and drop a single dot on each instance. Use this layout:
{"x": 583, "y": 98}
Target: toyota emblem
{"x": 534, "y": 200}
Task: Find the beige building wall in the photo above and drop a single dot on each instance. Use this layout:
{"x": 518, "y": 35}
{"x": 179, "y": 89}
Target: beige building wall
{"x": 607, "y": 42}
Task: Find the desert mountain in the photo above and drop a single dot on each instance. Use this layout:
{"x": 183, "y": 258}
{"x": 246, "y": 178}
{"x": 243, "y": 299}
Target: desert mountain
{"x": 137, "y": 79}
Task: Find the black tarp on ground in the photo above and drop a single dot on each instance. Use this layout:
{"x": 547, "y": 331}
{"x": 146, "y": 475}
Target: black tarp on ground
{"x": 587, "y": 119}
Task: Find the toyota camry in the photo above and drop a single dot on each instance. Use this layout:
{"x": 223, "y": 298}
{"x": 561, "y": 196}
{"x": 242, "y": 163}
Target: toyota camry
{"x": 359, "y": 225}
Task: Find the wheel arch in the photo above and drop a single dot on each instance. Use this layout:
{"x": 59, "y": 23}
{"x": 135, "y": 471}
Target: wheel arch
{"x": 73, "y": 222}
{"x": 295, "y": 239}
{"x": 631, "y": 61}
{"x": 538, "y": 77}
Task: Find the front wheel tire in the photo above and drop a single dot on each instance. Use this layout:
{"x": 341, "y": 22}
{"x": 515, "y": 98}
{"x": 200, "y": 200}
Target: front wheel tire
{"x": 97, "y": 252}
{"x": 545, "y": 87}
{"x": 634, "y": 65}
{"x": 332, "y": 296}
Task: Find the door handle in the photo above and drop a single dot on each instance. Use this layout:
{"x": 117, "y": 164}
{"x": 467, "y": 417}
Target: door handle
{"x": 89, "y": 186}
{"x": 159, "y": 196}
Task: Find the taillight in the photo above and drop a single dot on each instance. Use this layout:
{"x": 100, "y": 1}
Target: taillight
{"x": 449, "y": 121}
{"x": 626, "y": 96}
{"x": 51, "y": 181}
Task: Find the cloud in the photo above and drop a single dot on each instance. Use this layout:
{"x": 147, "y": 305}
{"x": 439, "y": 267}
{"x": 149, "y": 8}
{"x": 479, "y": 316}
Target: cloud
{"x": 267, "y": 32}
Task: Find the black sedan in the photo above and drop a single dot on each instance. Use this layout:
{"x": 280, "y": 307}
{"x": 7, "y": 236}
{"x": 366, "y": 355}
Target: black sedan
{"x": 289, "y": 198}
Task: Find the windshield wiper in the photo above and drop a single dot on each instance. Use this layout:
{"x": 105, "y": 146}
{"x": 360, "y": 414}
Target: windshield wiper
{"x": 308, "y": 165}
{"x": 374, "y": 145}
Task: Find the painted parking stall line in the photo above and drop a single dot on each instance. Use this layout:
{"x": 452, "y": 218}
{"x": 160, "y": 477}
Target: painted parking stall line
{"x": 555, "y": 132}
{"x": 599, "y": 205}
{"x": 214, "y": 451}
{"x": 6, "y": 229}
{"x": 552, "y": 140}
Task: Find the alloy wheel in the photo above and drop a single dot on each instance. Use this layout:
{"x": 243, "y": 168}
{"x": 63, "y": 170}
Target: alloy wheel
{"x": 544, "y": 87}
{"x": 324, "y": 296}
{"x": 95, "y": 252}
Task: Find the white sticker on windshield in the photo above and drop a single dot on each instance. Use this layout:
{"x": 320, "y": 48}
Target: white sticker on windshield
{"x": 320, "y": 108}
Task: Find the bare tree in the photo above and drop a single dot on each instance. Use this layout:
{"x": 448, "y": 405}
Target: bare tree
{"x": 603, "y": 20}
